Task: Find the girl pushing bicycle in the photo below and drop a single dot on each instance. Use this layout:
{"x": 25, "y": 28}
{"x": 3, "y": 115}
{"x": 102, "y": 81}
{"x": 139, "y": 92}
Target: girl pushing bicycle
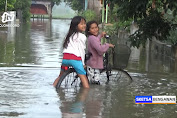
{"x": 74, "y": 50}
{"x": 95, "y": 63}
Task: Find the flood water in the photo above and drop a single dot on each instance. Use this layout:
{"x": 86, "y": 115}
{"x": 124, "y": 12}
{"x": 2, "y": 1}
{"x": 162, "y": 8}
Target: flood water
{"x": 30, "y": 59}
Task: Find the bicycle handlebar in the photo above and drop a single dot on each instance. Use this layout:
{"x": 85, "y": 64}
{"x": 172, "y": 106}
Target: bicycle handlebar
{"x": 107, "y": 36}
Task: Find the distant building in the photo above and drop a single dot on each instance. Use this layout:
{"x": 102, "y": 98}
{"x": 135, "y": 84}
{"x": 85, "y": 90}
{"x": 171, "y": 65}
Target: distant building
{"x": 41, "y": 7}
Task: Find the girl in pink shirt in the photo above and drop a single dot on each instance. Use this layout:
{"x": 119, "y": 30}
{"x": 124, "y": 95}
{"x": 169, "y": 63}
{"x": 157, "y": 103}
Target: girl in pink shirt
{"x": 95, "y": 63}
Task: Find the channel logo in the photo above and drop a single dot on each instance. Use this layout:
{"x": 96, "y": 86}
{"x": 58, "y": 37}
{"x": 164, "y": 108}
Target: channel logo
{"x": 155, "y": 99}
{"x": 6, "y": 17}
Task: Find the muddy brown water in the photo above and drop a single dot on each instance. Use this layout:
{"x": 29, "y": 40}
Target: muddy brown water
{"x": 30, "y": 59}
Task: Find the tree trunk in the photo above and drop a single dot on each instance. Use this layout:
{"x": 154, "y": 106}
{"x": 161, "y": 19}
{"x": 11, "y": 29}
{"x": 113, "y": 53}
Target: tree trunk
{"x": 153, "y": 4}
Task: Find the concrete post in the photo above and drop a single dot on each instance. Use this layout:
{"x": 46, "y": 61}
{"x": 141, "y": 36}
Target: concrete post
{"x": 106, "y": 20}
{"x": 103, "y": 12}
{"x": 86, "y": 4}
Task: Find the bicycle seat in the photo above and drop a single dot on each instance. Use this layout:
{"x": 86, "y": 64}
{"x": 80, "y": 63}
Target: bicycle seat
{"x": 65, "y": 67}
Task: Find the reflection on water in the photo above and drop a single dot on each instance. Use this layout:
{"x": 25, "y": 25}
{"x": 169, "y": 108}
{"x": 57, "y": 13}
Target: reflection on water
{"x": 27, "y": 93}
{"x": 30, "y": 61}
{"x": 35, "y": 44}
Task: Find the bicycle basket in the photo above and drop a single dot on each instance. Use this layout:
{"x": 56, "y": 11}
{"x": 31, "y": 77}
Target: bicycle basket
{"x": 121, "y": 56}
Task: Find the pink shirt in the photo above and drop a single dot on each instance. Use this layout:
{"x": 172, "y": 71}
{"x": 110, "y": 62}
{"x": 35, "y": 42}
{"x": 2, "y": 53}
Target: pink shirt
{"x": 97, "y": 49}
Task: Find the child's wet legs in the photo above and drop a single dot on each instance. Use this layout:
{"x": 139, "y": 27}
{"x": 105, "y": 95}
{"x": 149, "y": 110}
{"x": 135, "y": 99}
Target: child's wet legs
{"x": 84, "y": 80}
{"x": 57, "y": 79}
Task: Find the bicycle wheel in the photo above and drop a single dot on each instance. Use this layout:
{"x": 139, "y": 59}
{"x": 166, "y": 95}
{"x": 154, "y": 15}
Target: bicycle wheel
{"x": 69, "y": 79}
{"x": 120, "y": 77}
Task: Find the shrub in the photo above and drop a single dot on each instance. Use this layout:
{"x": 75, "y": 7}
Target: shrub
{"x": 172, "y": 38}
{"x": 89, "y": 15}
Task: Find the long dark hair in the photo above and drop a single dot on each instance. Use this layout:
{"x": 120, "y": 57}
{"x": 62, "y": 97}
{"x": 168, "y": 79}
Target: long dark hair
{"x": 73, "y": 29}
{"x": 88, "y": 27}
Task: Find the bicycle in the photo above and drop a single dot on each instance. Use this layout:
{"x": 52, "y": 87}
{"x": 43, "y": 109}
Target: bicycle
{"x": 115, "y": 70}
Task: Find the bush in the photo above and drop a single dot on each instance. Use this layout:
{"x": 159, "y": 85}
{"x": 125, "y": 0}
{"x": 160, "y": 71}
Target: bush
{"x": 172, "y": 38}
{"x": 89, "y": 15}
{"x": 111, "y": 29}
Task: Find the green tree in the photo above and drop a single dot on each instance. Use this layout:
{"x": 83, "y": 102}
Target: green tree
{"x": 77, "y": 5}
{"x": 24, "y": 6}
{"x": 150, "y": 16}
{"x": 10, "y": 5}
{"x": 57, "y": 2}
{"x": 89, "y": 15}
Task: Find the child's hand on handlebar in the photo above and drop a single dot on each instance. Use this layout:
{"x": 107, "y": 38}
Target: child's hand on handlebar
{"x": 111, "y": 45}
{"x": 103, "y": 34}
